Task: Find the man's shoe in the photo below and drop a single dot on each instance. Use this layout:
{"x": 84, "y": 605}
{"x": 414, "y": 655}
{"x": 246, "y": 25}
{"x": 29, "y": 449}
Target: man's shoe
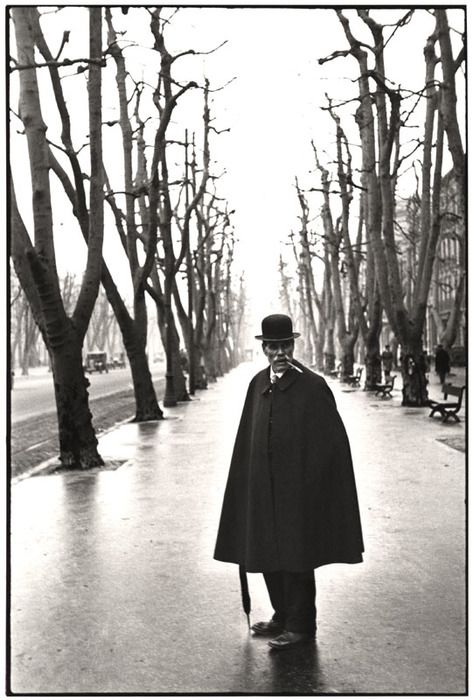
{"x": 290, "y": 639}
{"x": 267, "y": 629}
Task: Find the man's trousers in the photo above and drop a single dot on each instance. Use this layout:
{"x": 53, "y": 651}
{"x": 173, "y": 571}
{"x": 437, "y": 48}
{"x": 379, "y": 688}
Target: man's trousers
{"x": 292, "y": 595}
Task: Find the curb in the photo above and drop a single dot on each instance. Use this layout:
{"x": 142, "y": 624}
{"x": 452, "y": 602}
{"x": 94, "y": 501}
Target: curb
{"x": 46, "y": 465}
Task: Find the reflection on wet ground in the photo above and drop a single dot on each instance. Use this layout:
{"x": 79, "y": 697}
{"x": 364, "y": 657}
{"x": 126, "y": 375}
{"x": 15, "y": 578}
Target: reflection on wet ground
{"x": 296, "y": 670}
{"x": 115, "y": 590}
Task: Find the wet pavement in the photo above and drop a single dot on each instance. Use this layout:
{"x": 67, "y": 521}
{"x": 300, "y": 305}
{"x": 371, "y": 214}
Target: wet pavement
{"x": 114, "y": 589}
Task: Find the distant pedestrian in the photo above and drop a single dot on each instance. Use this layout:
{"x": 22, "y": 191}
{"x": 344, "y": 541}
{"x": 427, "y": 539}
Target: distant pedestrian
{"x": 426, "y": 357}
{"x": 426, "y": 367}
{"x": 387, "y": 360}
{"x": 290, "y": 503}
{"x": 184, "y": 361}
{"x": 442, "y": 363}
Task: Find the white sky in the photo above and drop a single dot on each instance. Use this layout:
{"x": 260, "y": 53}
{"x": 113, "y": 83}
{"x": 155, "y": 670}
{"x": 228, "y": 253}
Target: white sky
{"x": 273, "y": 109}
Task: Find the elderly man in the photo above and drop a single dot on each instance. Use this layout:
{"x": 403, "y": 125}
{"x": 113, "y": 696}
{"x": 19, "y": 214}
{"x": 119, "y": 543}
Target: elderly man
{"x": 290, "y": 504}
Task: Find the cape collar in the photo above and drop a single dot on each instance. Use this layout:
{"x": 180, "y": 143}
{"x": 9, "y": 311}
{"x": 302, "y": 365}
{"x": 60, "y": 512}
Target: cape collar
{"x": 287, "y": 379}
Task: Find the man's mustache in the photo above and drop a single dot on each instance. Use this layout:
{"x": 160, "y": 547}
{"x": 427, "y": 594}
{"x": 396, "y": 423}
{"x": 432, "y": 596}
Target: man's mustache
{"x": 286, "y": 358}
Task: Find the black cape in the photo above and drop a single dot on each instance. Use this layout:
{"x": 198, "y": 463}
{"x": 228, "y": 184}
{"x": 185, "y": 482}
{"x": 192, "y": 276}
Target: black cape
{"x": 290, "y": 502}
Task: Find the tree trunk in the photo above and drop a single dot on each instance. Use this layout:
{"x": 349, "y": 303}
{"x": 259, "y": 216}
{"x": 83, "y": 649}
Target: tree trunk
{"x": 371, "y": 335}
{"x": 77, "y": 440}
{"x": 329, "y": 350}
{"x": 348, "y": 358}
{"x": 210, "y": 358}
{"x": 372, "y": 364}
{"x": 413, "y": 367}
{"x": 449, "y": 332}
{"x": 36, "y": 266}
{"x": 146, "y": 403}
{"x": 319, "y": 347}
{"x": 170, "y": 341}
{"x": 200, "y": 372}
{"x": 25, "y": 356}
{"x": 448, "y": 106}
{"x": 180, "y": 388}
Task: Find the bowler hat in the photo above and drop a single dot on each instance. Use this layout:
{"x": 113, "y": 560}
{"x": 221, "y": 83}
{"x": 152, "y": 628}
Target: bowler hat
{"x": 276, "y": 327}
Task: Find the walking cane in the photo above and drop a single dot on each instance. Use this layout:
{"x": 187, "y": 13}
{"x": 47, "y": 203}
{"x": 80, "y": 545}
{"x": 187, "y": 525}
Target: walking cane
{"x": 245, "y": 594}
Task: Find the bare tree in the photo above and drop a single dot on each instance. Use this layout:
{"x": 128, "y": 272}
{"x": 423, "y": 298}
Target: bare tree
{"x": 449, "y": 116}
{"x": 338, "y": 241}
{"x": 135, "y": 326}
{"x": 35, "y": 264}
{"x": 380, "y": 128}
{"x": 366, "y": 306}
{"x": 309, "y": 296}
{"x": 24, "y": 331}
{"x": 187, "y": 318}
{"x": 285, "y": 291}
{"x": 147, "y": 407}
{"x": 306, "y": 250}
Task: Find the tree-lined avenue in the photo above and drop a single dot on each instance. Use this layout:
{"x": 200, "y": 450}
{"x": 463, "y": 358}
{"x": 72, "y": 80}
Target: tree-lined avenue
{"x": 34, "y": 395}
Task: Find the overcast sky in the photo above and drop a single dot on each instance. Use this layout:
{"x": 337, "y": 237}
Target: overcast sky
{"x": 272, "y": 108}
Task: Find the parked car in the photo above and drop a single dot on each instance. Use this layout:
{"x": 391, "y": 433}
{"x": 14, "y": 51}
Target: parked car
{"x": 96, "y": 362}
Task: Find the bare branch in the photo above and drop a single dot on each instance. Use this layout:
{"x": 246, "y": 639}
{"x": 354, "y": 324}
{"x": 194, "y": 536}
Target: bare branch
{"x": 67, "y": 150}
{"x": 393, "y": 94}
{"x": 333, "y": 56}
{"x": 343, "y": 103}
{"x": 192, "y": 52}
{"x": 222, "y": 87}
{"x": 65, "y": 39}
{"x": 402, "y": 23}
{"x": 459, "y": 59}
{"x": 57, "y": 64}
{"x": 219, "y": 131}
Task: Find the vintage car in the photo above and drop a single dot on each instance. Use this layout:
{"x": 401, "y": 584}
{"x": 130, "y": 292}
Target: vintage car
{"x": 96, "y": 362}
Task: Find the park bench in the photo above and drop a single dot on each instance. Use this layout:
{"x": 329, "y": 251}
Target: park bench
{"x": 335, "y": 373}
{"x": 354, "y": 379}
{"x": 386, "y": 388}
{"x": 448, "y": 409}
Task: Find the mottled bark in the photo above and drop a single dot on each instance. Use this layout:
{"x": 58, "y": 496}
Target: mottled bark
{"x": 329, "y": 350}
{"x": 319, "y": 346}
{"x": 372, "y": 364}
{"x": 407, "y": 323}
{"x": 134, "y": 329}
{"x": 77, "y": 440}
{"x": 413, "y": 368}
{"x": 178, "y": 385}
{"x": 448, "y": 104}
{"x": 37, "y": 266}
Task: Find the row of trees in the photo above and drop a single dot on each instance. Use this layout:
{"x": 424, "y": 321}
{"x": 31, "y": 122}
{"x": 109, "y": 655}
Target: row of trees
{"x": 350, "y": 271}
{"x": 27, "y": 347}
{"x": 174, "y": 229}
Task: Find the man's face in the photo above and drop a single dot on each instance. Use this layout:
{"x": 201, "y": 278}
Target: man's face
{"x": 278, "y": 353}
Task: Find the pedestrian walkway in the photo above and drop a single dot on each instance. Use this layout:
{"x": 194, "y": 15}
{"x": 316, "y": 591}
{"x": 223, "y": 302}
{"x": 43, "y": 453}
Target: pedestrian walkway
{"x": 114, "y": 588}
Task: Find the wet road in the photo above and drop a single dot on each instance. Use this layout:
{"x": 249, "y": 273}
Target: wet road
{"x": 34, "y": 395}
{"x": 114, "y": 588}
